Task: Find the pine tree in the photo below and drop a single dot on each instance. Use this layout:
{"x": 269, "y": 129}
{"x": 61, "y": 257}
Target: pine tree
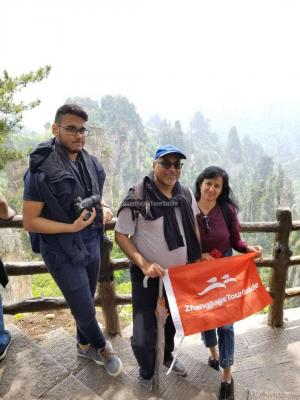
{"x": 11, "y": 111}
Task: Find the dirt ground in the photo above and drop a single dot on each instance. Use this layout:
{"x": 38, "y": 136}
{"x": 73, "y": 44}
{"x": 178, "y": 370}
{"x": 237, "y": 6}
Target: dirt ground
{"x": 39, "y": 323}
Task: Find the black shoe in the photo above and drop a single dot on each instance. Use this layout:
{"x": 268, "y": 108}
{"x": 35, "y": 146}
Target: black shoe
{"x": 227, "y": 390}
{"x": 213, "y": 363}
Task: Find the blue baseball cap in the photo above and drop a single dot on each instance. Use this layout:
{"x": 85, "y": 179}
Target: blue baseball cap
{"x": 168, "y": 149}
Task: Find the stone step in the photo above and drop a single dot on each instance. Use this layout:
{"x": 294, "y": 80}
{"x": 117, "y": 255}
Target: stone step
{"x": 202, "y": 382}
{"x": 266, "y": 359}
{"x": 28, "y": 372}
{"x": 51, "y": 370}
{"x": 62, "y": 347}
{"x": 71, "y": 389}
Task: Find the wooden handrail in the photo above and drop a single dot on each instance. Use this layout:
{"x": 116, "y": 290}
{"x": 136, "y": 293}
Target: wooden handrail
{"x": 51, "y": 303}
{"x": 17, "y": 222}
{"x": 109, "y": 300}
{"x": 292, "y": 292}
{"x": 18, "y": 268}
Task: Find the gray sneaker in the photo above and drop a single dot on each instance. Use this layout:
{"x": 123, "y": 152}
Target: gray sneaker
{"x": 105, "y": 357}
{"x": 145, "y": 383}
{"x": 178, "y": 367}
{"x": 91, "y": 354}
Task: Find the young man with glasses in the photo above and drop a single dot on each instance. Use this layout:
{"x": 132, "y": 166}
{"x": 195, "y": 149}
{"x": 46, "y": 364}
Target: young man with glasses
{"x": 62, "y": 178}
{"x": 156, "y": 229}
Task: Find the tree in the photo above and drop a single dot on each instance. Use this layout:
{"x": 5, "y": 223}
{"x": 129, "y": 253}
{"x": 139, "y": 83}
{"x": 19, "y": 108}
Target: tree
{"x": 11, "y": 111}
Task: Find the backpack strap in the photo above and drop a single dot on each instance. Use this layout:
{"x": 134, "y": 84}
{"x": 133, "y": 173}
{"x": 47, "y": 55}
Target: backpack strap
{"x": 138, "y": 189}
{"x": 138, "y": 192}
{"x": 187, "y": 194}
{"x": 226, "y": 214}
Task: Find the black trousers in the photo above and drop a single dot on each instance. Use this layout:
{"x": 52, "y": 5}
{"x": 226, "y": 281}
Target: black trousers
{"x": 78, "y": 284}
{"x": 143, "y": 340}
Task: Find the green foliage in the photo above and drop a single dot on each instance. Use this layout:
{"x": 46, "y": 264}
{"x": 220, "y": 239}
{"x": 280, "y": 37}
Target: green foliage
{"x": 116, "y": 251}
{"x": 124, "y": 288}
{"x": 44, "y": 286}
{"x": 121, "y": 276}
{"x": 11, "y": 111}
{"x": 28, "y": 253}
{"x": 125, "y": 313}
{"x": 265, "y": 275}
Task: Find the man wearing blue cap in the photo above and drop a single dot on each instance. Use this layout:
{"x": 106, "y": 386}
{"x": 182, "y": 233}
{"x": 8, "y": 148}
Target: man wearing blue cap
{"x": 156, "y": 229}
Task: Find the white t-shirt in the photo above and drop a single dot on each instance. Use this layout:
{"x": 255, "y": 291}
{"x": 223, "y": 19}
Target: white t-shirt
{"x": 148, "y": 237}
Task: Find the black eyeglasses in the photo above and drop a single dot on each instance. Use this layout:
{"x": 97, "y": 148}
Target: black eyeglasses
{"x": 168, "y": 164}
{"x": 72, "y": 130}
{"x": 205, "y": 224}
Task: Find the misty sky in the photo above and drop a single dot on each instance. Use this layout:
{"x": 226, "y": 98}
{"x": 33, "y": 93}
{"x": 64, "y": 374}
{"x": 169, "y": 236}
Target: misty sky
{"x": 236, "y": 61}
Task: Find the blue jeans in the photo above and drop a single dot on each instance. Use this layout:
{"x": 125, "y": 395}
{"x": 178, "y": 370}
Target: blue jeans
{"x": 4, "y": 334}
{"x": 78, "y": 285}
{"x": 225, "y": 343}
{"x": 225, "y": 340}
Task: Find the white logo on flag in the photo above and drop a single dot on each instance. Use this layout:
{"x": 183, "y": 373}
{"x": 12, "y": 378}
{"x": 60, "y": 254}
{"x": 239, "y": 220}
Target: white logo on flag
{"x": 215, "y": 284}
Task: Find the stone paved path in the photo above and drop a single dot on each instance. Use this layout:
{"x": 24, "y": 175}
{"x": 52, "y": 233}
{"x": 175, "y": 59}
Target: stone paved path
{"x": 267, "y": 359}
{"x": 267, "y": 367}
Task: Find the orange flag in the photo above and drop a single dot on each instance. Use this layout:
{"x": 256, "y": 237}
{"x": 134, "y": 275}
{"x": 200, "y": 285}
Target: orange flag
{"x": 209, "y": 294}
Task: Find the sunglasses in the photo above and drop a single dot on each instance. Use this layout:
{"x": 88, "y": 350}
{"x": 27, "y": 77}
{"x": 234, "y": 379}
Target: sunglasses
{"x": 205, "y": 223}
{"x": 168, "y": 164}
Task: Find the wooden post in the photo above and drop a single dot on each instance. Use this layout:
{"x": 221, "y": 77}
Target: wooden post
{"x": 281, "y": 254}
{"x": 107, "y": 292}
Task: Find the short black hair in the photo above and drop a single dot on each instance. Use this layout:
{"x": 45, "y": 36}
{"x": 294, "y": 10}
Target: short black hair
{"x": 70, "y": 109}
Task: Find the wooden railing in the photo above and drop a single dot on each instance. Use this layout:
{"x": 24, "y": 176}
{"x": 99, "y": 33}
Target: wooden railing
{"x": 108, "y": 299}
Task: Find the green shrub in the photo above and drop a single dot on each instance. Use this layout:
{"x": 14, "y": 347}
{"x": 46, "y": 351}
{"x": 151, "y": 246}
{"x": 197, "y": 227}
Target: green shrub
{"x": 44, "y": 286}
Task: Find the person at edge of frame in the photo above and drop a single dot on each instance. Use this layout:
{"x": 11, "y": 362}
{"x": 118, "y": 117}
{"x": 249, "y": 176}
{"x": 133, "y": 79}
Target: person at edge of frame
{"x": 6, "y": 213}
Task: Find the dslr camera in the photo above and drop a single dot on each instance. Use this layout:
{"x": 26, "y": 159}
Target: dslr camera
{"x": 88, "y": 203}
